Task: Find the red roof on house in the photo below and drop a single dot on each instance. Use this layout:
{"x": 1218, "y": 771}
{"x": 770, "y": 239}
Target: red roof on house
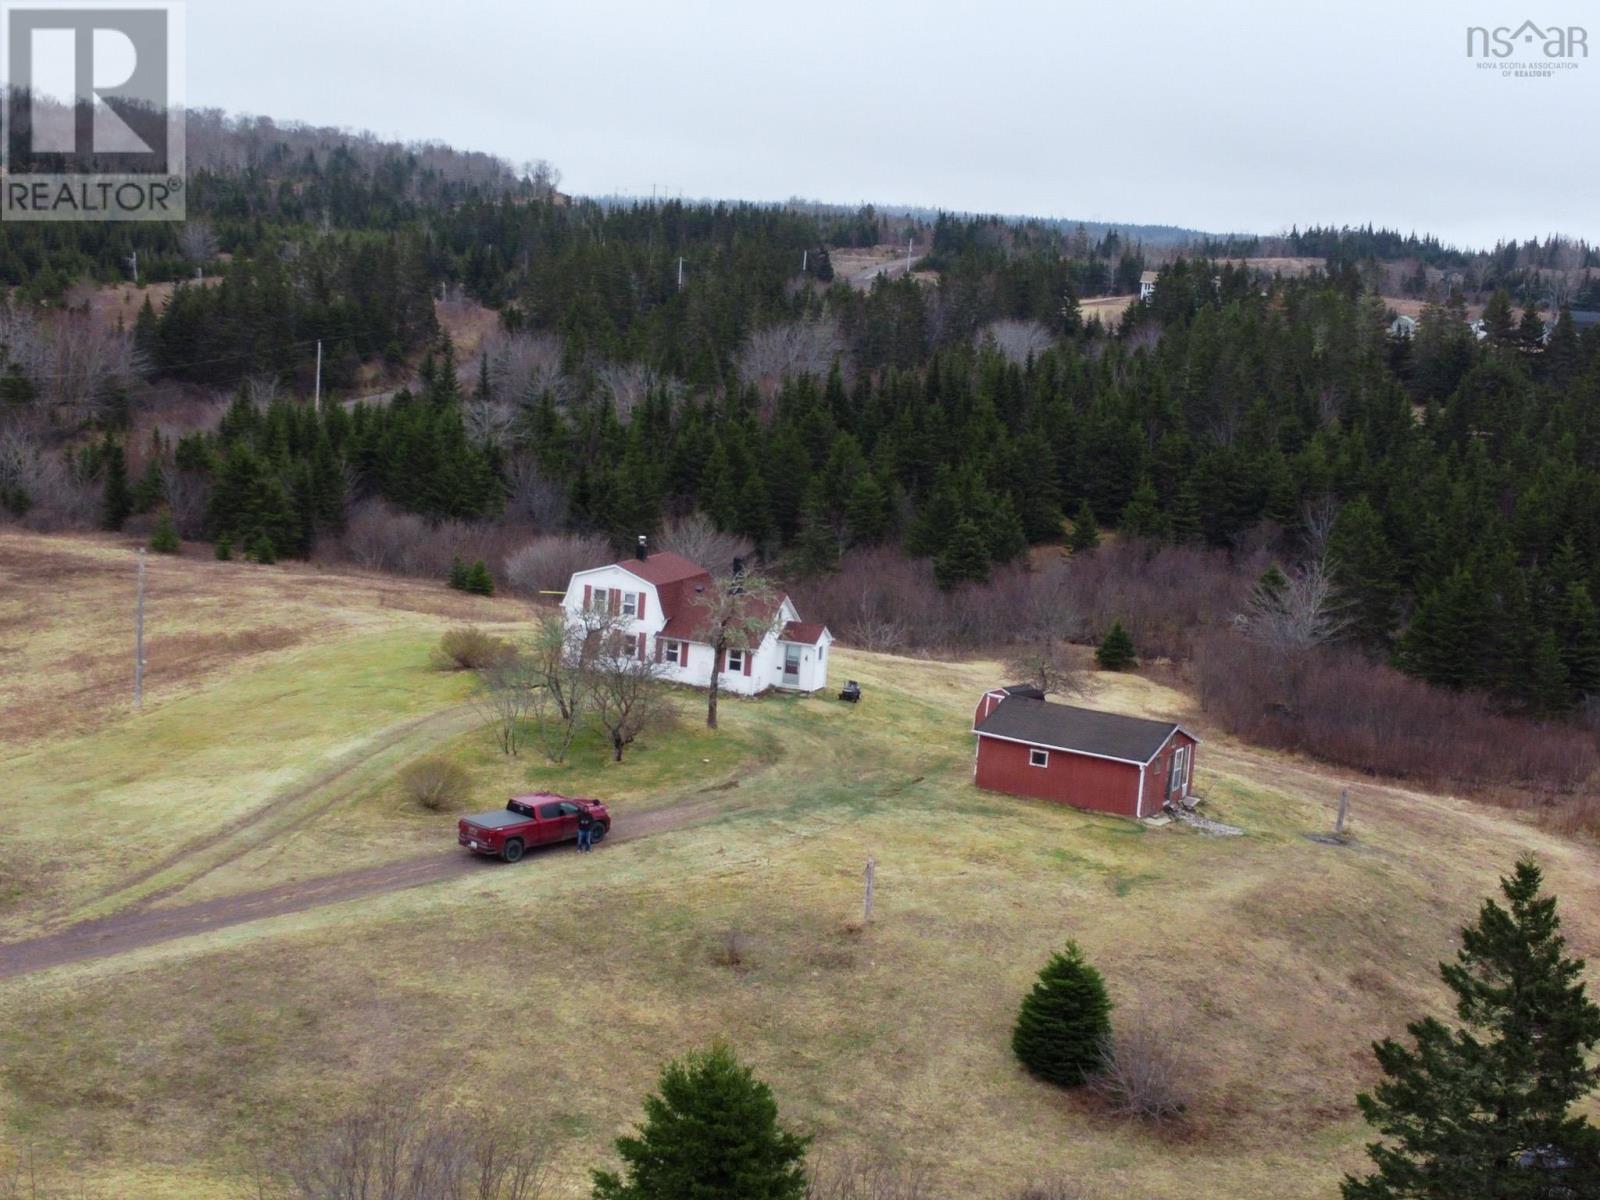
{"x": 808, "y": 632}
{"x": 665, "y": 567}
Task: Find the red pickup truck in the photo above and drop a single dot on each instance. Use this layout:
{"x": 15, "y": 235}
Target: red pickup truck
{"x": 536, "y": 819}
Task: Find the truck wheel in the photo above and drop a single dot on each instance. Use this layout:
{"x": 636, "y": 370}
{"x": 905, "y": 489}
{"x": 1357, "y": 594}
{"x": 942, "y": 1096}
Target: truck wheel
{"x": 513, "y": 850}
{"x": 598, "y": 832}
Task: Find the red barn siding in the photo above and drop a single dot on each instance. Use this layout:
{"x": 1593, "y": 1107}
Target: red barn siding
{"x": 1157, "y": 774}
{"x": 1076, "y": 779}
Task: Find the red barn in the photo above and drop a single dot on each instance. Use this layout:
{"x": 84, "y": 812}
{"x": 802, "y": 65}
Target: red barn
{"x": 1088, "y": 759}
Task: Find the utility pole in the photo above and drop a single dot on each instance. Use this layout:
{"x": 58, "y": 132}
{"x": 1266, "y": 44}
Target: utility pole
{"x": 909, "y": 243}
{"x": 680, "y": 272}
{"x": 866, "y": 912}
{"x": 138, "y": 639}
{"x": 133, "y": 260}
{"x": 317, "y": 393}
{"x": 805, "y": 257}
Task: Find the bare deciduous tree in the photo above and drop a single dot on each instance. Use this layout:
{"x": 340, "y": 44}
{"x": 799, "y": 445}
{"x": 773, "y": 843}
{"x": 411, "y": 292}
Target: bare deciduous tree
{"x": 1044, "y": 663}
{"x": 559, "y": 655}
{"x": 629, "y": 695}
{"x": 778, "y": 352}
{"x": 74, "y": 365}
{"x": 546, "y": 564}
{"x": 505, "y": 697}
{"x": 535, "y": 496}
{"x": 1019, "y": 340}
{"x": 735, "y": 613}
{"x": 629, "y": 384}
{"x": 1296, "y": 611}
{"x": 197, "y": 240}
{"x": 698, "y": 539}
{"x": 524, "y": 366}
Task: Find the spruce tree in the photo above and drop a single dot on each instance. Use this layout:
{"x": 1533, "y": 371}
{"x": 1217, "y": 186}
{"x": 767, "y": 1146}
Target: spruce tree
{"x": 1116, "y": 652}
{"x": 1365, "y": 569}
{"x": 164, "y": 538}
{"x": 1142, "y": 518}
{"x": 711, "y": 1132}
{"x": 479, "y": 581}
{"x": 1062, "y": 1027}
{"x": 117, "y": 500}
{"x": 458, "y": 574}
{"x": 1483, "y": 1110}
{"x": 964, "y": 559}
{"x": 1085, "y": 531}
{"x": 1578, "y": 627}
{"x": 224, "y": 548}
{"x": 816, "y": 546}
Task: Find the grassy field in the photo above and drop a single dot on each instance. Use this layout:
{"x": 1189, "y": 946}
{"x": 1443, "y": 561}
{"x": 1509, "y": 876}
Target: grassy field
{"x": 555, "y": 988}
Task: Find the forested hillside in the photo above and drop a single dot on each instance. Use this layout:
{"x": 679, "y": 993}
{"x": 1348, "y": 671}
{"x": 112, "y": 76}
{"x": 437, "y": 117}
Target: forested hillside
{"x": 655, "y": 360}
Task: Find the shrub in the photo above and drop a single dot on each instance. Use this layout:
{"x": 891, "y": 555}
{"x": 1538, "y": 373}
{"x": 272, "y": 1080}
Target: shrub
{"x": 471, "y": 649}
{"x": 263, "y": 551}
{"x": 435, "y": 783}
{"x": 1141, "y": 1076}
{"x": 1064, "y": 1021}
{"x": 224, "y": 548}
{"x": 1116, "y": 650}
{"x": 164, "y": 538}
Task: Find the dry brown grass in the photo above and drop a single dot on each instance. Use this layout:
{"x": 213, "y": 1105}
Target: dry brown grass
{"x": 558, "y": 987}
{"x": 66, "y": 623}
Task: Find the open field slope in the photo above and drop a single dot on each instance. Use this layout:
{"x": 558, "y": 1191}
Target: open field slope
{"x": 158, "y": 1065}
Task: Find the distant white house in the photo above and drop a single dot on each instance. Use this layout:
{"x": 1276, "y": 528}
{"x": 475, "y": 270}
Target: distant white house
{"x": 1147, "y": 284}
{"x": 1479, "y": 329}
{"x": 654, "y": 595}
{"x": 1403, "y": 326}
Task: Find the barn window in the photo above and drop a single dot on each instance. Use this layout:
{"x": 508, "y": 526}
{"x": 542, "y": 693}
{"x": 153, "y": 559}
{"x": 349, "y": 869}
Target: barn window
{"x": 1038, "y": 758}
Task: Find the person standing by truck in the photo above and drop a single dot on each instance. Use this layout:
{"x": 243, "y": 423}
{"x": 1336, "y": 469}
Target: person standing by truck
{"x": 585, "y": 831}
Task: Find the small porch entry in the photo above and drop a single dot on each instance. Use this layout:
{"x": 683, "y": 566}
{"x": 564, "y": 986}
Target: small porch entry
{"x": 791, "y": 666}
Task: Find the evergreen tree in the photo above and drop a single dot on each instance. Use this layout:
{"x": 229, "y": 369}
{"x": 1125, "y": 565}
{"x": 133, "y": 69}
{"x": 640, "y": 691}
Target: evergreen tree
{"x": 711, "y": 1132}
{"x": 479, "y": 582}
{"x": 458, "y": 574}
{"x": 1548, "y": 691}
{"x": 816, "y": 546}
{"x": 1186, "y": 526}
{"x": 262, "y": 550}
{"x": 224, "y": 548}
{"x": 1483, "y": 1111}
{"x": 1578, "y": 626}
{"x": 1365, "y": 568}
{"x": 964, "y": 559}
{"x": 1062, "y": 1027}
{"x": 1142, "y": 518}
{"x": 164, "y": 538}
{"x": 117, "y": 500}
{"x": 1085, "y": 531}
{"x": 1446, "y": 640}
{"x": 1116, "y": 652}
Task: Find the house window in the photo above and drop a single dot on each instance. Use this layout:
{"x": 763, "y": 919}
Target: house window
{"x": 1038, "y": 758}
{"x": 672, "y": 652}
{"x": 600, "y": 600}
{"x": 736, "y": 660}
{"x": 630, "y": 645}
{"x": 630, "y": 604}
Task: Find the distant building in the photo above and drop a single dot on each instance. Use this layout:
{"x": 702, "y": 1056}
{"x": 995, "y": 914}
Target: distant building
{"x": 1403, "y": 326}
{"x": 1479, "y": 329}
{"x": 1147, "y": 284}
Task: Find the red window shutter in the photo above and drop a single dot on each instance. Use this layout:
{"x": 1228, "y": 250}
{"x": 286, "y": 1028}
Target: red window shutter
{"x": 588, "y": 595}
{"x": 660, "y": 651}
{"x": 643, "y": 597}
{"x": 641, "y": 647}
{"x": 722, "y": 660}
{"x": 748, "y": 655}
{"x": 616, "y": 600}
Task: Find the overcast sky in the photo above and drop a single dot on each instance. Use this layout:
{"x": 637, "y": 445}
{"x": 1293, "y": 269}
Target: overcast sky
{"x": 1214, "y": 114}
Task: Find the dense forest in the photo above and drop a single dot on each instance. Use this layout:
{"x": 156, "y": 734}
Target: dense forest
{"x": 654, "y": 360}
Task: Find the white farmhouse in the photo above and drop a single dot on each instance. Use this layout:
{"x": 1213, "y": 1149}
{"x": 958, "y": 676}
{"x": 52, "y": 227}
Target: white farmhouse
{"x": 1147, "y": 284}
{"x": 654, "y": 597}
